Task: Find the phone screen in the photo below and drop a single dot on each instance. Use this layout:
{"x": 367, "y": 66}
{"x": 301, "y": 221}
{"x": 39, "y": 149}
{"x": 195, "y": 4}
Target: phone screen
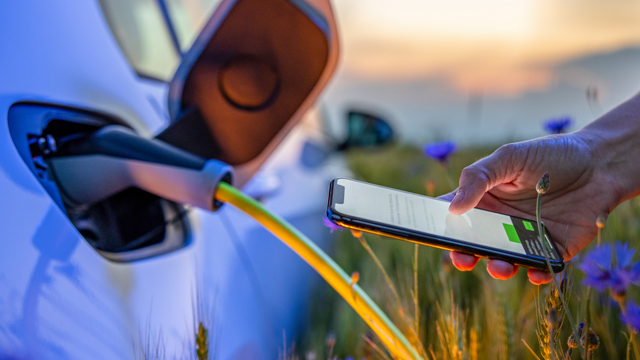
{"x": 427, "y": 215}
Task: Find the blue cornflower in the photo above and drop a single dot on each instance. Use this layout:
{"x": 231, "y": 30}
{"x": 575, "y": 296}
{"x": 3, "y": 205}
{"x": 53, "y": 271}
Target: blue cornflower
{"x": 632, "y": 317}
{"x": 558, "y": 125}
{"x": 330, "y": 225}
{"x": 603, "y": 271}
{"x": 440, "y": 151}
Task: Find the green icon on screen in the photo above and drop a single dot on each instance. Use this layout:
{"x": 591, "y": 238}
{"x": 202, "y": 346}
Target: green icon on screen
{"x": 512, "y": 234}
{"x": 528, "y": 225}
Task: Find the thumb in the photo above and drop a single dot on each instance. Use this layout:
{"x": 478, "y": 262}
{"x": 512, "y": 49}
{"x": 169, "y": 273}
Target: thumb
{"x": 482, "y": 176}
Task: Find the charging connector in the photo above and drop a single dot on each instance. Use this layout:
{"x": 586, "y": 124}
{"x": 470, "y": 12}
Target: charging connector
{"x": 92, "y": 168}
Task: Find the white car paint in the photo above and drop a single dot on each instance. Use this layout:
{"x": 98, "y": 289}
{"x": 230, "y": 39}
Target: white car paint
{"x": 59, "y": 299}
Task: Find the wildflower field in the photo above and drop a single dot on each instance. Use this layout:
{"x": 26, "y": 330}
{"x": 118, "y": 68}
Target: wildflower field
{"x": 448, "y": 314}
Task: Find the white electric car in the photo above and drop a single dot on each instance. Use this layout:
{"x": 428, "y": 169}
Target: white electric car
{"x": 133, "y": 275}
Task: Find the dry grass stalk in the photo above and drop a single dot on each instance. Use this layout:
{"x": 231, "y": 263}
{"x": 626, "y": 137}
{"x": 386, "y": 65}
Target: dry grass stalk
{"x": 495, "y": 331}
{"x": 286, "y": 353}
{"x": 552, "y": 325}
{"x": 202, "y": 342}
{"x": 543, "y": 326}
{"x": 387, "y": 279}
{"x": 530, "y": 349}
{"x": 330, "y": 342}
{"x": 375, "y": 347}
{"x": 451, "y": 331}
{"x": 552, "y": 301}
{"x": 473, "y": 344}
{"x": 151, "y": 346}
{"x": 408, "y": 323}
{"x": 203, "y": 324}
{"x": 502, "y": 349}
{"x": 600, "y": 221}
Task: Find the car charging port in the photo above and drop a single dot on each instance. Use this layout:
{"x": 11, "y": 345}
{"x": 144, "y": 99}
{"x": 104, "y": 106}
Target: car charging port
{"x": 130, "y": 224}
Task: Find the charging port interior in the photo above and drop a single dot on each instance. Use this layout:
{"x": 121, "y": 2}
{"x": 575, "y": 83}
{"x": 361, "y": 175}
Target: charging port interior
{"x": 130, "y": 225}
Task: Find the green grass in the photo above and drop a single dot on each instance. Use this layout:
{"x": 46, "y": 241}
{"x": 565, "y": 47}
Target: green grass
{"x": 463, "y": 315}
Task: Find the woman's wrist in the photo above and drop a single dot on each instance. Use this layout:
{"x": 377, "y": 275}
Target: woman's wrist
{"x": 614, "y": 140}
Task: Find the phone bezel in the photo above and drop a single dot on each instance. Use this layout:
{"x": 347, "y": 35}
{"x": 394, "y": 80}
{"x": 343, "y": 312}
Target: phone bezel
{"x": 441, "y": 242}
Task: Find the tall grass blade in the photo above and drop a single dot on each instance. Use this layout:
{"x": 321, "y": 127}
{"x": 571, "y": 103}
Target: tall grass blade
{"x": 530, "y": 349}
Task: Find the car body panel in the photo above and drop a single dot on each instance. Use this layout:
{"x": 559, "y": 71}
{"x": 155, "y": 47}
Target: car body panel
{"x": 58, "y": 297}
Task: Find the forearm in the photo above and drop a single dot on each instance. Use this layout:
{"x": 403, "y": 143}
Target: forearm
{"x": 615, "y": 138}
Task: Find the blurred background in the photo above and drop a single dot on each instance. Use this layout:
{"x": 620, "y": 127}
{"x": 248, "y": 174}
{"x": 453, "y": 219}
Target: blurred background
{"x": 483, "y": 72}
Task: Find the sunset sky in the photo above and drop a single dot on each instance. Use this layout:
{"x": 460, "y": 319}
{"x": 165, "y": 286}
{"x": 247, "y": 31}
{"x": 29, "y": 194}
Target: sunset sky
{"x": 483, "y": 71}
{"x": 495, "y": 46}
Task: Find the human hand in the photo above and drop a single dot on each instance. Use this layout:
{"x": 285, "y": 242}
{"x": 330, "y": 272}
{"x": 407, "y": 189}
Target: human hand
{"x": 582, "y": 188}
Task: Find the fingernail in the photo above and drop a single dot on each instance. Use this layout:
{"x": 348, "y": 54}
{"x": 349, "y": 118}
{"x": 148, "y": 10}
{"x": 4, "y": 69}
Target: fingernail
{"x": 458, "y": 198}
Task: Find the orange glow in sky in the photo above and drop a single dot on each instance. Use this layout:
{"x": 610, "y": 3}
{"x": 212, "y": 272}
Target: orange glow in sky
{"x": 501, "y": 47}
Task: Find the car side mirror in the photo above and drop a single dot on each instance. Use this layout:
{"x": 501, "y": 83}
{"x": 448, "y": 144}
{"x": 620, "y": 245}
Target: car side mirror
{"x": 366, "y": 130}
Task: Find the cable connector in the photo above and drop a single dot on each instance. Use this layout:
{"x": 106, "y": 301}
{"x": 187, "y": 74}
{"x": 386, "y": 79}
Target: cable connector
{"x": 114, "y": 158}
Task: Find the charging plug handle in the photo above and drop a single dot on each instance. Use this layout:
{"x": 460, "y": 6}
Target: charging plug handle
{"x": 92, "y": 168}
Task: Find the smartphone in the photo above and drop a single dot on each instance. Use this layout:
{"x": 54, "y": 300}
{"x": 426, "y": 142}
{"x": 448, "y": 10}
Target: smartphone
{"x": 425, "y": 220}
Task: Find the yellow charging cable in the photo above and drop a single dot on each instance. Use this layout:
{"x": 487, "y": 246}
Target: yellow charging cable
{"x": 377, "y": 320}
